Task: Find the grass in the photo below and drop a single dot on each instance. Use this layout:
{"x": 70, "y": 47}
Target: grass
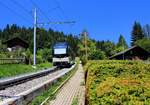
{"x": 75, "y": 101}
{"x": 50, "y": 92}
{"x": 9, "y": 70}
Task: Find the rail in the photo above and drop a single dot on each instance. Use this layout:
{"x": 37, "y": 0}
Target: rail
{"x": 6, "y": 82}
{"x": 27, "y": 96}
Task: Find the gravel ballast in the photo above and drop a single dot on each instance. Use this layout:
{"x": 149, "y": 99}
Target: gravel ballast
{"x": 17, "y": 89}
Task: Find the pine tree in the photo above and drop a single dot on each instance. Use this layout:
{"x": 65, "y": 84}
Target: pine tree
{"x": 122, "y": 42}
{"x": 146, "y": 30}
{"x": 137, "y": 33}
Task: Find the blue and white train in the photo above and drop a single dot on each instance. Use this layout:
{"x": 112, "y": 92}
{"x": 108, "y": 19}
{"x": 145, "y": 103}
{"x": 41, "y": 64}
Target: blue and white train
{"x": 62, "y": 54}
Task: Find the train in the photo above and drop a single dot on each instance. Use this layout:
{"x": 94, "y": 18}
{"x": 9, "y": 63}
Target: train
{"x": 62, "y": 55}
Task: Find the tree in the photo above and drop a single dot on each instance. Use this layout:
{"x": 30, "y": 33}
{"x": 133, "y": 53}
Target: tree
{"x": 45, "y": 40}
{"x": 144, "y": 43}
{"x": 1, "y": 36}
{"x": 85, "y": 40}
{"x": 121, "y": 45}
{"x": 97, "y": 55}
{"x": 146, "y": 30}
{"x": 122, "y": 42}
{"x": 137, "y": 33}
{"x": 107, "y": 46}
{"x": 119, "y": 49}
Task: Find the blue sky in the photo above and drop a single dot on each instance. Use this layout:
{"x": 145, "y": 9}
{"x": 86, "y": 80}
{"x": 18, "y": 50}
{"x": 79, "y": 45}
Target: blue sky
{"x": 104, "y": 19}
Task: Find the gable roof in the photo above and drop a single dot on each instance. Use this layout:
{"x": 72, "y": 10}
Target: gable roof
{"x": 123, "y": 52}
{"x": 15, "y": 41}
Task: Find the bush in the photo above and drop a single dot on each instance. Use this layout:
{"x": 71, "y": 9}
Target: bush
{"x": 38, "y": 59}
{"x": 28, "y": 56}
{"x": 83, "y": 60}
{"x": 3, "y": 55}
{"x": 46, "y": 54}
{"x": 43, "y": 55}
{"x": 117, "y": 83}
{"x": 97, "y": 55}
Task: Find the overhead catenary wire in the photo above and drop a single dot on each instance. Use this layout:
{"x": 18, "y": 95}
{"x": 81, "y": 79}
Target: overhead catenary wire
{"x": 60, "y": 8}
{"x": 14, "y": 12}
{"x": 50, "y": 21}
{"x": 22, "y": 7}
{"x": 65, "y": 22}
{"x": 52, "y": 9}
{"x": 62, "y": 11}
{"x": 42, "y": 12}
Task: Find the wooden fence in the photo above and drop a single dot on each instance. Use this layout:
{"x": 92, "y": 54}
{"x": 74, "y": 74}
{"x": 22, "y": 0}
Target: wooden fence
{"x": 11, "y": 60}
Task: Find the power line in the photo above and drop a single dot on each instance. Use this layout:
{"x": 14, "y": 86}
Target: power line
{"x": 10, "y": 9}
{"x": 52, "y": 9}
{"x": 40, "y": 9}
{"x": 34, "y": 4}
{"x": 21, "y": 6}
{"x": 60, "y": 8}
{"x": 62, "y": 11}
{"x": 61, "y": 22}
{"x": 35, "y": 28}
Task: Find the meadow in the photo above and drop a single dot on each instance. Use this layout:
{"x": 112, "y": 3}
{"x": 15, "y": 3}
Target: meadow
{"x": 8, "y": 70}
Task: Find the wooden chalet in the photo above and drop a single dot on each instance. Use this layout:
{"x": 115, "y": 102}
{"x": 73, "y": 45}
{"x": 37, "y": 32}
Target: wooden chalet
{"x": 133, "y": 53}
{"x": 16, "y": 43}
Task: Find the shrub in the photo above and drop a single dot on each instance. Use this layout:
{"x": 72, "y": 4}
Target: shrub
{"x": 97, "y": 55}
{"x": 117, "y": 82}
{"x": 28, "y": 56}
{"x": 83, "y": 60}
{"x": 46, "y": 54}
{"x": 38, "y": 59}
{"x": 3, "y": 55}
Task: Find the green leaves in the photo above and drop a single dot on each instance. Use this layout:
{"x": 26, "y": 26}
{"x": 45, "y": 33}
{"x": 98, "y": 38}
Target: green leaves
{"x": 137, "y": 33}
{"x": 117, "y": 83}
{"x": 122, "y": 42}
{"x": 144, "y": 43}
{"x": 97, "y": 55}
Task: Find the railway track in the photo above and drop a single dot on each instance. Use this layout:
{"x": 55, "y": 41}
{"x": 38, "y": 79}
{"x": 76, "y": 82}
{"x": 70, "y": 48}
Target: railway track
{"x": 7, "y": 82}
{"x": 23, "y": 92}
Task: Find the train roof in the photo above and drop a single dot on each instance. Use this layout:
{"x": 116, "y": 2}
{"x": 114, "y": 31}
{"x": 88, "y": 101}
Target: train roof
{"x": 61, "y": 45}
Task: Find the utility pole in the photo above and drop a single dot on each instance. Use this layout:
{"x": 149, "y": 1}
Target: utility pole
{"x": 35, "y": 26}
{"x": 123, "y": 49}
{"x": 42, "y": 24}
{"x": 85, "y": 42}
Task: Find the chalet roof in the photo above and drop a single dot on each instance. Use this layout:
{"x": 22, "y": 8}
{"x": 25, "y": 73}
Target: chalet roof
{"x": 125, "y": 51}
{"x": 16, "y": 41}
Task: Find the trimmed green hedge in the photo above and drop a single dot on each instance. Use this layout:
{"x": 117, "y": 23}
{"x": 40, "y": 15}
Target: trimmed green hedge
{"x": 117, "y": 83}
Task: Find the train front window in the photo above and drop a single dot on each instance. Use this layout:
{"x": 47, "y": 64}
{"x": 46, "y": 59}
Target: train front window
{"x": 59, "y": 51}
